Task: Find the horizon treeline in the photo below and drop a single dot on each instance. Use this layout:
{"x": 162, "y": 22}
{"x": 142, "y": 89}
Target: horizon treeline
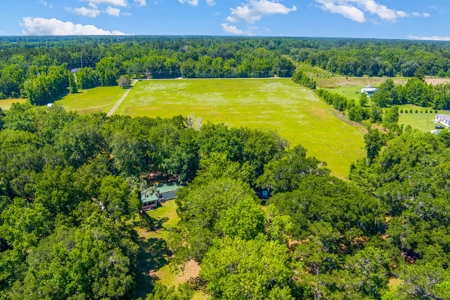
{"x": 104, "y": 59}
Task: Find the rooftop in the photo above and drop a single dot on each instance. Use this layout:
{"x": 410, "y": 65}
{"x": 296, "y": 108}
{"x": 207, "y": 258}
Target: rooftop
{"x": 443, "y": 117}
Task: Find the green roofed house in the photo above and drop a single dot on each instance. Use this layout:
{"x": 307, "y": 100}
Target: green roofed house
{"x": 153, "y": 197}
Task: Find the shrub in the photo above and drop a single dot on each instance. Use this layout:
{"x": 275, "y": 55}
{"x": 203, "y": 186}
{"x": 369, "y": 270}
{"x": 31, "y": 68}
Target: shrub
{"x": 435, "y": 111}
{"x": 406, "y": 111}
{"x": 401, "y": 110}
{"x": 426, "y": 111}
{"x": 410, "y": 111}
{"x": 417, "y": 111}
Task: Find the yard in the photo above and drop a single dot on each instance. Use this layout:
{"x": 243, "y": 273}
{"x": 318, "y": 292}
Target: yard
{"x": 100, "y": 99}
{"x": 154, "y": 256}
{"x": 267, "y": 104}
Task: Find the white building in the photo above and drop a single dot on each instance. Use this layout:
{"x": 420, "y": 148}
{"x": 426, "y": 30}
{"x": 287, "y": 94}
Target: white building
{"x": 369, "y": 90}
{"x": 443, "y": 119}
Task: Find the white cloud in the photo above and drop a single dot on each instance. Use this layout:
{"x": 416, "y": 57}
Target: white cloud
{"x": 254, "y": 10}
{"x": 211, "y": 2}
{"x": 110, "y": 2}
{"x": 112, "y": 11}
{"x": 141, "y": 2}
{"x": 45, "y": 3}
{"x": 430, "y": 38}
{"x": 356, "y": 9}
{"x": 127, "y": 14}
{"x": 84, "y": 11}
{"x": 231, "y": 29}
{"x": 41, "y": 26}
{"x": 191, "y": 2}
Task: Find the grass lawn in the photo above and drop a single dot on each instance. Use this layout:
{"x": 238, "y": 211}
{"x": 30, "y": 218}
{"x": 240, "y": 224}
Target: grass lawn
{"x": 6, "y": 104}
{"x": 100, "y": 99}
{"x": 268, "y": 104}
{"x": 419, "y": 120}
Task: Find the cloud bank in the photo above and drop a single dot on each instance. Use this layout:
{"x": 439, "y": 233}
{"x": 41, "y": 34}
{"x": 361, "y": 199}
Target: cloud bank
{"x": 41, "y": 26}
{"x": 430, "y": 38}
{"x": 356, "y": 10}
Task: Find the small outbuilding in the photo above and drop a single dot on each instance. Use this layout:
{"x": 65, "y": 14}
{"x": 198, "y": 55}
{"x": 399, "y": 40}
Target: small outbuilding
{"x": 369, "y": 90}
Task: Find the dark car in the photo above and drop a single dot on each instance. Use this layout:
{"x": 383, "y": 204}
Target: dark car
{"x": 439, "y": 127}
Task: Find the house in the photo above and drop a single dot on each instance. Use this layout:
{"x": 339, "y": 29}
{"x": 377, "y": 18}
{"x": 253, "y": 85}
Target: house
{"x": 74, "y": 71}
{"x": 155, "y": 196}
{"x": 369, "y": 90}
{"x": 443, "y": 119}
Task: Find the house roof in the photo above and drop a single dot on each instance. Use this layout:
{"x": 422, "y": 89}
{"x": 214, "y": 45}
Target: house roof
{"x": 151, "y": 195}
{"x": 443, "y": 117}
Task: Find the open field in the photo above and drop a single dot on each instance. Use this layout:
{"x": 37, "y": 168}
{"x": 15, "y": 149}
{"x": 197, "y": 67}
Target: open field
{"x": 100, "y": 99}
{"x": 6, "y": 104}
{"x": 419, "y": 120}
{"x": 268, "y": 104}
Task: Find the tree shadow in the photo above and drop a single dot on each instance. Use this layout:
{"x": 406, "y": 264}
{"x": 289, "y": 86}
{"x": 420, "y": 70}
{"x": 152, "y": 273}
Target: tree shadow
{"x": 153, "y": 255}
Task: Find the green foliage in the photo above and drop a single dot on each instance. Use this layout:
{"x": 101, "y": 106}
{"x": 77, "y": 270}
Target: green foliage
{"x": 303, "y": 79}
{"x": 288, "y": 170}
{"x": 237, "y": 269}
{"x": 245, "y": 220}
{"x": 161, "y": 292}
{"x": 339, "y": 102}
{"x": 391, "y": 116}
{"x": 87, "y": 78}
{"x": 374, "y": 142}
{"x": 363, "y": 99}
{"x": 47, "y": 87}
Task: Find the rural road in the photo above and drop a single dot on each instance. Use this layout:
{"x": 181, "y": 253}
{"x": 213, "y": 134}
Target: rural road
{"x": 116, "y": 106}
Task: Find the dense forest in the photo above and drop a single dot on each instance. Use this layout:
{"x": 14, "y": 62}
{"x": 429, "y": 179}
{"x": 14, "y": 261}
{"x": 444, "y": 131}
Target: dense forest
{"x": 101, "y": 61}
{"x": 69, "y": 184}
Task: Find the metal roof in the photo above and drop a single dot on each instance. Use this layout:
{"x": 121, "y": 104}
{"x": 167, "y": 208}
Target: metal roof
{"x": 151, "y": 195}
{"x": 443, "y": 117}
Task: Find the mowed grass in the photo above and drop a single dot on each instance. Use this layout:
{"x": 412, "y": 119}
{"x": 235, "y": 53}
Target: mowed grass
{"x": 6, "y": 104}
{"x": 423, "y": 121}
{"x": 100, "y": 99}
{"x": 267, "y": 104}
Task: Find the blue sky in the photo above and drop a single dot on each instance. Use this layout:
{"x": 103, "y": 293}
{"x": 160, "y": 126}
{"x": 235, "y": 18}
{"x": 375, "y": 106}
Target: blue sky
{"x": 393, "y": 19}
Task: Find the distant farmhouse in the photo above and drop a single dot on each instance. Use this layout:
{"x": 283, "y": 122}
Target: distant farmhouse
{"x": 369, "y": 90}
{"x": 443, "y": 119}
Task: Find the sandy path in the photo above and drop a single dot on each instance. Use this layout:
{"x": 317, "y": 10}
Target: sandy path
{"x": 116, "y": 106}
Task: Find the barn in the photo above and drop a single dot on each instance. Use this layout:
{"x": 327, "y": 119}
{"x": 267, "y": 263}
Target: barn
{"x": 369, "y": 90}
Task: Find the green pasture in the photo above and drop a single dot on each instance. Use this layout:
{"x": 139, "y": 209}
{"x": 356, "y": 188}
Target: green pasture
{"x": 267, "y": 104}
{"x": 100, "y": 99}
{"x": 420, "y": 120}
{"x": 6, "y": 104}
{"x": 350, "y": 92}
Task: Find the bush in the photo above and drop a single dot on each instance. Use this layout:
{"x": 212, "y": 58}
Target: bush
{"x": 406, "y": 111}
{"x": 435, "y": 111}
{"x": 401, "y": 110}
{"x": 426, "y": 111}
{"x": 410, "y": 111}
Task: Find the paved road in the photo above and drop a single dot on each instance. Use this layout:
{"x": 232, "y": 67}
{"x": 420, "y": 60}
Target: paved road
{"x": 116, "y": 106}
